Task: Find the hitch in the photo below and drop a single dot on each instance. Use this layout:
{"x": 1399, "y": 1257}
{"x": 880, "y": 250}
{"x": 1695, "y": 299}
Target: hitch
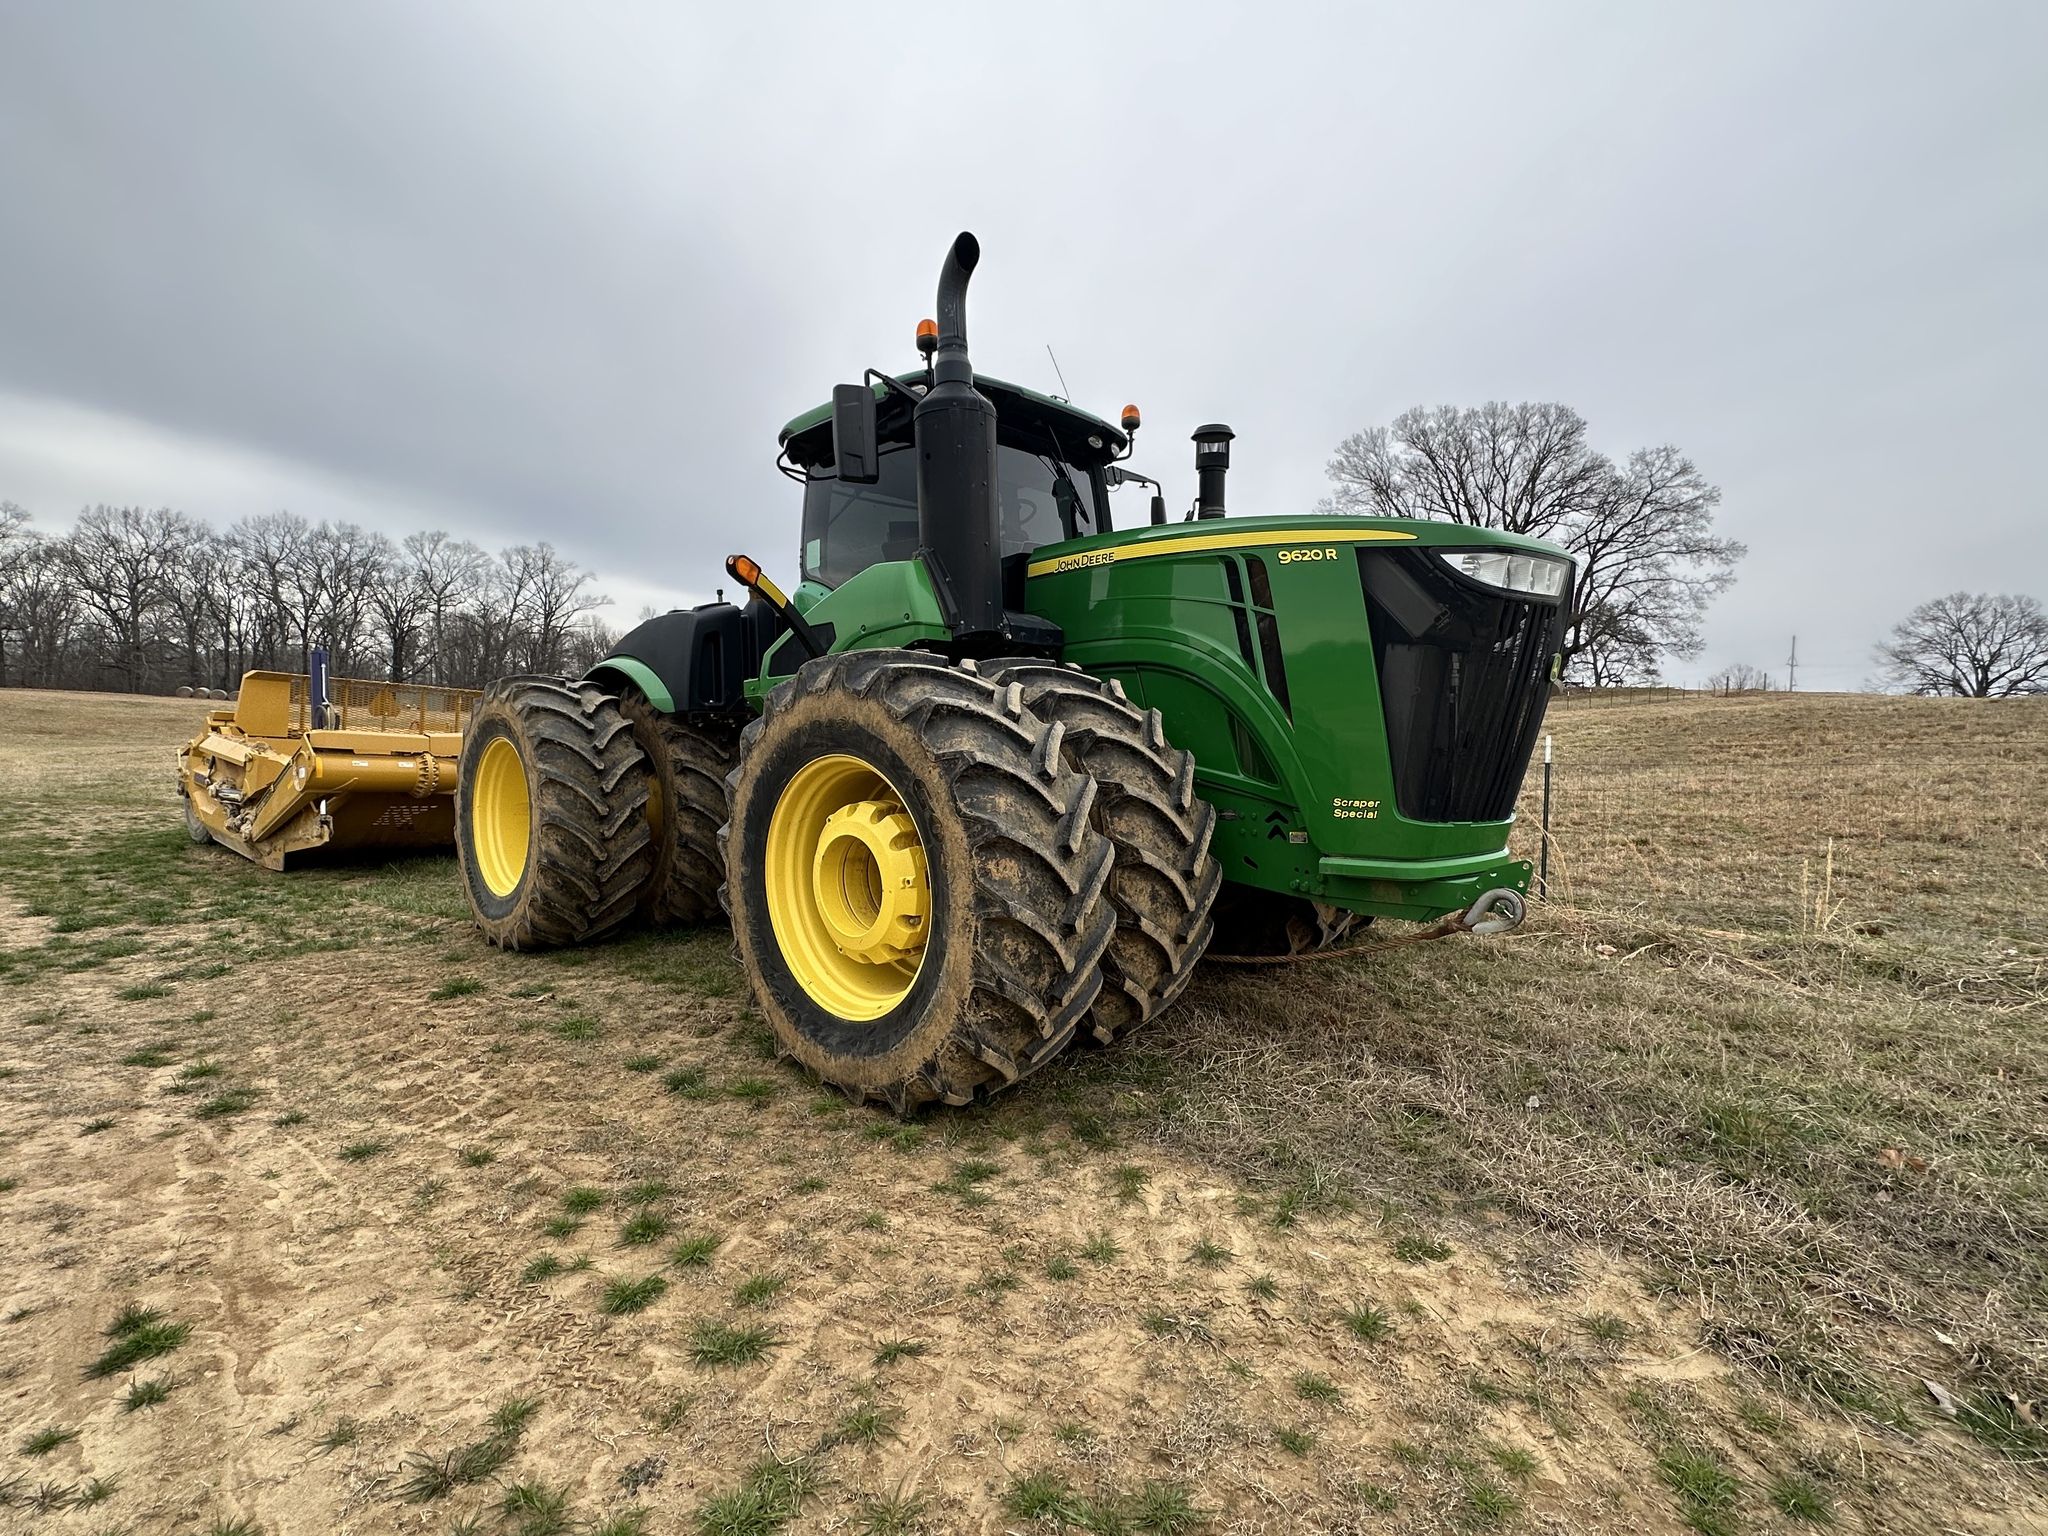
{"x": 1498, "y": 911}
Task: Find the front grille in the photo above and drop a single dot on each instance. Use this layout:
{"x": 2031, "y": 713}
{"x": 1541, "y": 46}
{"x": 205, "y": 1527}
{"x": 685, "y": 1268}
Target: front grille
{"x": 1464, "y": 674}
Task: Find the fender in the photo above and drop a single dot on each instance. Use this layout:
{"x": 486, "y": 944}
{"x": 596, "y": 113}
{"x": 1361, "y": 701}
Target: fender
{"x": 694, "y": 661}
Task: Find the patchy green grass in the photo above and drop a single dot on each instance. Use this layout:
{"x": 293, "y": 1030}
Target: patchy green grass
{"x": 1208, "y": 1255}
{"x": 720, "y": 1344}
{"x": 643, "y": 1227}
{"x": 534, "y": 1508}
{"x": 581, "y": 1199}
{"x": 227, "y": 1104}
{"x": 758, "y": 1290}
{"x": 867, "y": 1424}
{"x": 1101, "y": 1249}
{"x": 138, "y": 1334}
{"x": 1367, "y": 1324}
{"x": 1484, "y": 1504}
{"x": 363, "y": 1151}
{"x": 146, "y": 1394}
{"x": 688, "y": 1082}
{"x": 1295, "y": 1442}
{"x": 890, "y": 1351}
{"x": 43, "y": 1441}
{"x": 543, "y": 1267}
{"x": 695, "y": 1252}
{"x": 1706, "y": 1490}
{"x": 1312, "y": 1387}
{"x": 455, "y": 986}
{"x": 622, "y": 1296}
{"x": 1415, "y": 1248}
{"x": 767, "y": 1500}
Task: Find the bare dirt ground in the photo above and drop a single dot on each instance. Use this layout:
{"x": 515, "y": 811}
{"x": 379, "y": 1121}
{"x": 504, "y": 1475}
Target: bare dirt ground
{"x": 320, "y": 1216}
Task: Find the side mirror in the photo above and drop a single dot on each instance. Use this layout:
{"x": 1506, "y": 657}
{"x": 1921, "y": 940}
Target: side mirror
{"x": 1158, "y": 508}
{"x": 856, "y": 446}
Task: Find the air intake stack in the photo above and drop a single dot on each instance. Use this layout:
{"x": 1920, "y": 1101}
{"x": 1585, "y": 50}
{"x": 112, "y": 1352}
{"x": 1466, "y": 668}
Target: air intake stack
{"x": 955, "y": 427}
{"x": 1212, "y": 463}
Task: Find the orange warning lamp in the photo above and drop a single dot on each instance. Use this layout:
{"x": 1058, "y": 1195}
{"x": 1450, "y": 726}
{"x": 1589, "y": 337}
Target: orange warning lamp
{"x": 1132, "y": 421}
{"x": 927, "y": 336}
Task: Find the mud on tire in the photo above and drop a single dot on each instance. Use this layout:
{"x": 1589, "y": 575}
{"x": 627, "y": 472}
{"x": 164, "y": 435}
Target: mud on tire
{"x": 687, "y": 766}
{"x": 589, "y": 853}
{"x": 1164, "y": 882}
{"x": 1015, "y": 871}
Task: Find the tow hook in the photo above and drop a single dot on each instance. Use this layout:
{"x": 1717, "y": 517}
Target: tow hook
{"x": 1498, "y": 911}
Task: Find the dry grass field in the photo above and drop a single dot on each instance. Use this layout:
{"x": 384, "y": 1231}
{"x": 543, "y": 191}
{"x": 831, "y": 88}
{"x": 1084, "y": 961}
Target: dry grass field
{"x": 1715, "y": 1199}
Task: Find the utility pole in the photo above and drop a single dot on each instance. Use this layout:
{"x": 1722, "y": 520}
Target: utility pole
{"x": 1792, "y": 668}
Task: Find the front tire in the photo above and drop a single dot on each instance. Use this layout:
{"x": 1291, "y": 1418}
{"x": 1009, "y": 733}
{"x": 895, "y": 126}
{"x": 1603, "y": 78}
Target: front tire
{"x": 551, "y": 814}
{"x": 915, "y": 883}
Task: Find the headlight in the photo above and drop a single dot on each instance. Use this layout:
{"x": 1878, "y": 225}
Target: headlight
{"x": 1511, "y": 570}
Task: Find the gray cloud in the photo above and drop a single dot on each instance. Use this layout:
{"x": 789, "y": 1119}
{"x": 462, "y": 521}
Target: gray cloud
{"x": 561, "y": 272}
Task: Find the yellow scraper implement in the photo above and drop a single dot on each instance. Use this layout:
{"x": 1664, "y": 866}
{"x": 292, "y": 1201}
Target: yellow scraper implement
{"x": 281, "y": 774}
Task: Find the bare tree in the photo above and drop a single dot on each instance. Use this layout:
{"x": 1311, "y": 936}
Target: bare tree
{"x": 557, "y": 595}
{"x": 124, "y": 560}
{"x": 1642, "y": 532}
{"x": 449, "y": 574}
{"x": 1741, "y": 677}
{"x": 42, "y": 605}
{"x": 16, "y": 538}
{"x": 1974, "y": 644}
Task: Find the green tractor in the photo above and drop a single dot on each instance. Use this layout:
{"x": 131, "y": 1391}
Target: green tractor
{"x": 998, "y": 773}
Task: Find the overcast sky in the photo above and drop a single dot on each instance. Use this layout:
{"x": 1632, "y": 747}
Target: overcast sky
{"x": 560, "y": 272}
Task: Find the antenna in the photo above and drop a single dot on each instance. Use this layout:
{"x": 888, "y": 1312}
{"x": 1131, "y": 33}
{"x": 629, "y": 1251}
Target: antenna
{"x": 1792, "y": 668}
{"x": 1065, "y": 393}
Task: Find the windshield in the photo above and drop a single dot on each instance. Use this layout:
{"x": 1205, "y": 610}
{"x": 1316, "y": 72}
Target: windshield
{"x": 848, "y": 528}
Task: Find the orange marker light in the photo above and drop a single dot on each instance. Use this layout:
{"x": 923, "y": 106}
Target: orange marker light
{"x": 744, "y": 569}
{"x": 1132, "y": 421}
{"x": 927, "y": 336}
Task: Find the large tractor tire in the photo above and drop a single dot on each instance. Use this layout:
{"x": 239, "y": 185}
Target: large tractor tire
{"x": 915, "y": 882}
{"x": 1164, "y": 882}
{"x": 551, "y": 813}
{"x": 687, "y": 765}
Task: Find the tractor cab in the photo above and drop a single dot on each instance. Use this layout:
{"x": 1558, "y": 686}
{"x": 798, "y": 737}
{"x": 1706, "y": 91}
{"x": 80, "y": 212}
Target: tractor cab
{"x": 1050, "y": 485}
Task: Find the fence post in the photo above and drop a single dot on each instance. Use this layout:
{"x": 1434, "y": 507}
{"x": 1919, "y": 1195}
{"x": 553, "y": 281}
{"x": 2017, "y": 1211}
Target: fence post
{"x": 1543, "y": 858}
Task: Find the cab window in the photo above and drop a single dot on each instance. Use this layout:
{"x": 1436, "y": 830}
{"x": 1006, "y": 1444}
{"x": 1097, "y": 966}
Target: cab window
{"x": 848, "y": 528}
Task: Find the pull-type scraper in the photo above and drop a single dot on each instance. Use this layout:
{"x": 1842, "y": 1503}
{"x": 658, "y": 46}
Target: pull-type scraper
{"x": 302, "y": 762}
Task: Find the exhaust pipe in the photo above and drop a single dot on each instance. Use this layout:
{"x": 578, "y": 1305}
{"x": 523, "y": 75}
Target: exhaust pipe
{"x": 955, "y": 432}
{"x": 1212, "y": 463}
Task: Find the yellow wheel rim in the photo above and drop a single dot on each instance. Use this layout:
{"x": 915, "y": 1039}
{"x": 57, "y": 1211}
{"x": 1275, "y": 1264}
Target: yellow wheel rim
{"x": 847, "y": 894}
{"x": 500, "y": 817}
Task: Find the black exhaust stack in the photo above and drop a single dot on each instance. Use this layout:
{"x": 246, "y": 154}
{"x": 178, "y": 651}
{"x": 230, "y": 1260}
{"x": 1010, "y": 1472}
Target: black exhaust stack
{"x": 955, "y": 428}
{"x": 1212, "y": 463}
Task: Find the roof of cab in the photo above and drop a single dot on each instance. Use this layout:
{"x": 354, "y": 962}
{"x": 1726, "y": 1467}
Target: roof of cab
{"x": 1113, "y": 437}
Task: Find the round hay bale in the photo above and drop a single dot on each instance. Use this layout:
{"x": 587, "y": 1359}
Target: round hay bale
{"x": 185, "y": 691}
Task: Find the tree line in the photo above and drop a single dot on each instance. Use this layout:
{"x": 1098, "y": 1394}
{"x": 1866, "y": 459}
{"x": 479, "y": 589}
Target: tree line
{"x": 145, "y": 600}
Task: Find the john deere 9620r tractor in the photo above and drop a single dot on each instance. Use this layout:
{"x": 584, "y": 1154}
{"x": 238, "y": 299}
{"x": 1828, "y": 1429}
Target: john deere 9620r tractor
{"x": 997, "y": 772}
